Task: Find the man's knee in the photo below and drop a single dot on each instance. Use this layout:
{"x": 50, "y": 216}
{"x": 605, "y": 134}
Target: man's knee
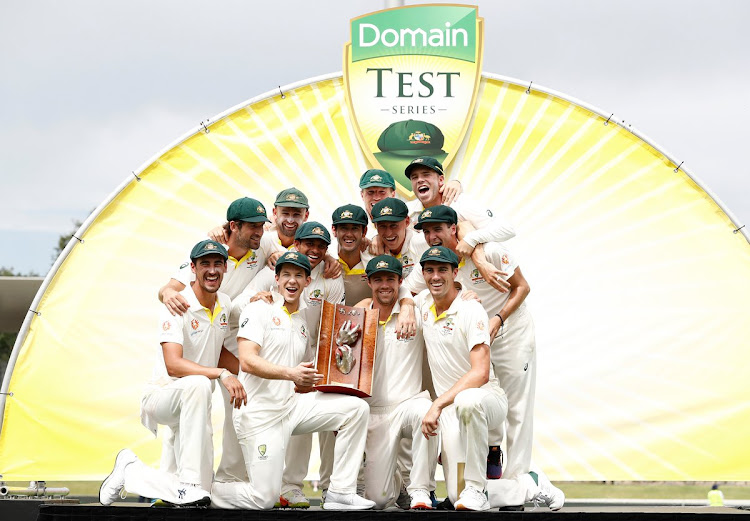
{"x": 197, "y": 389}
{"x": 468, "y": 403}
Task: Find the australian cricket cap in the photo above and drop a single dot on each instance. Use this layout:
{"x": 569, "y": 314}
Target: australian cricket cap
{"x": 296, "y": 258}
{"x": 248, "y": 210}
{"x": 349, "y": 214}
{"x": 384, "y": 263}
{"x": 436, "y": 214}
{"x": 292, "y": 197}
{"x": 208, "y": 247}
{"x": 375, "y": 177}
{"x": 411, "y": 138}
{"x": 312, "y": 230}
{"x": 426, "y": 161}
{"x": 389, "y": 209}
{"x": 439, "y": 254}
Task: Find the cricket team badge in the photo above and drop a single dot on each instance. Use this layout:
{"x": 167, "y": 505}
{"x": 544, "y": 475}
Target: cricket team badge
{"x": 411, "y": 76}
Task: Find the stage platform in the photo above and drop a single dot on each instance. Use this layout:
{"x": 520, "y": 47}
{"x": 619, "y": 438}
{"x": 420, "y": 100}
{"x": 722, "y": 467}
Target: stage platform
{"x": 130, "y": 511}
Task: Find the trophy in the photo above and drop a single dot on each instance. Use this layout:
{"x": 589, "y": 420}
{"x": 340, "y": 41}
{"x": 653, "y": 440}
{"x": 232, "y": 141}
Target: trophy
{"x": 346, "y": 349}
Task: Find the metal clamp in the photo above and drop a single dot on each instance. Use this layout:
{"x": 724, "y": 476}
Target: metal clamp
{"x": 282, "y": 93}
{"x": 11, "y": 395}
{"x": 528, "y": 89}
{"x": 735, "y": 231}
{"x": 610, "y": 117}
{"x": 136, "y": 176}
{"x": 678, "y": 167}
{"x": 37, "y": 313}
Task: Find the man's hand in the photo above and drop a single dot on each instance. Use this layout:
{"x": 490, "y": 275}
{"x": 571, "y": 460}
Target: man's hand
{"x": 430, "y": 421}
{"x": 494, "y": 276}
{"x": 220, "y": 234}
{"x": 237, "y": 394}
{"x": 271, "y": 261}
{"x": 331, "y": 267}
{"x": 364, "y": 244}
{"x": 450, "y": 191}
{"x": 376, "y": 246}
{"x": 495, "y": 324}
{"x": 406, "y": 327}
{"x": 175, "y": 302}
{"x": 464, "y": 249}
{"x": 304, "y": 375}
{"x": 470, "y": 294}
{"x": 262, "y": 295}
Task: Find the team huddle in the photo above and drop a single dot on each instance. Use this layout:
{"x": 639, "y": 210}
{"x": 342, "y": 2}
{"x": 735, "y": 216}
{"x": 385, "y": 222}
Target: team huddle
{"x": 454, "y": 374}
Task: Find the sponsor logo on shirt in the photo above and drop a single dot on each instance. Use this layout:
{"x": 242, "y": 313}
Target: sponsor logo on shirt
{"x": 505, "y": 259}
{"x": 183, "y": 265}
{"x": 194, "y": 324}
{"x": 476, "y": 278}
{"x": 252, "y": 260}
{"x": 480, "y": 325}
{"x": 316, "y": 296}
{"x": 276, "y": 321}
{"x": 425, "y": 316}
{"x": 223, "y": 320}
{"x": 447, "y": 327}
{"x": 166, "y": 325}
{"x": 303, "y": 331}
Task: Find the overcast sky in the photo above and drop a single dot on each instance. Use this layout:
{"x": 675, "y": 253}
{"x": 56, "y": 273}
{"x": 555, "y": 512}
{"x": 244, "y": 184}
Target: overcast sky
{"x": 90, "y": 89}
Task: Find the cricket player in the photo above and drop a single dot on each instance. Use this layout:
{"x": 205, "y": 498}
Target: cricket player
{"x": 273, "y": 342}
{"x": 398, "y": 402}
{"x": 190, "y": 359}
{"x": 312, "y": 239}
{"x": 248, "y": 249}
{"x": 470, "y": 400}
{"x": 512, "y": 341}
{"x": 391, "y": 218}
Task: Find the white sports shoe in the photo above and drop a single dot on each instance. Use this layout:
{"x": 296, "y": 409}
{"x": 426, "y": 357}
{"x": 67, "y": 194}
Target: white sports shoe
{"x": 549, "y": 494}
{"x": 191, "y": 496}
{"x": 293, "y": 499}
{"x": 420, "y": 500}
{"x": 472, "y": 499}
{"x": 336, "y": 501}
{"x": 114, "y": 484}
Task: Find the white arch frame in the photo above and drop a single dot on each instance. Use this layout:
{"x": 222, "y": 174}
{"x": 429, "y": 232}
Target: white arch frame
{"x": 277, "y": 92}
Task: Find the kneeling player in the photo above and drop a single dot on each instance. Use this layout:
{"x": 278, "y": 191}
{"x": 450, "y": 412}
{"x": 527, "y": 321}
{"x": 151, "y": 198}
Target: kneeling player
{"x": 398, "y": 403}
{"x": 272, "y": 342}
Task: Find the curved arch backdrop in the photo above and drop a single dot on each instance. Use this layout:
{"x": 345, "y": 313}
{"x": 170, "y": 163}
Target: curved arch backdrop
{"x": 639, "y": 286}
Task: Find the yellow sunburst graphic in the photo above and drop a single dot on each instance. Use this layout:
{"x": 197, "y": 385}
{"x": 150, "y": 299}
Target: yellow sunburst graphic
{"x": 639, "y": 286}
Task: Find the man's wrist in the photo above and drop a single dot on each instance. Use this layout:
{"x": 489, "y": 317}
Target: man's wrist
{"x": 224, "y": 374}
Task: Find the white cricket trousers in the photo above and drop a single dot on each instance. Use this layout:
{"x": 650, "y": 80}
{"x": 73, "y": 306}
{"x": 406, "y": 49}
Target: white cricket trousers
{"x": 185, "y": 406}
{"x": 514, "y": 361}
{"x": 511, "y": 492}
{"x": 232, "y": 464}
{"x": 387, "y": 427}
{"x": 464, "y": 427}
{"x": 147, "y": 482}
{"x": 264, "y": 451}
{"x": 298, "y": 460}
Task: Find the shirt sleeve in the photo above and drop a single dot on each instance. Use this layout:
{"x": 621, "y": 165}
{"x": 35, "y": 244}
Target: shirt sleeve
{"x": 488, "y": 226}
{"x": 501, "y": 257}
{"x": 253, "y": 321}
{"x": 335, "y": 290}
{"x": 476, "y": 324}
{"x": 170, "y": 329}
{"x": 415, "y": 281}
{"x": 184, "y": 274}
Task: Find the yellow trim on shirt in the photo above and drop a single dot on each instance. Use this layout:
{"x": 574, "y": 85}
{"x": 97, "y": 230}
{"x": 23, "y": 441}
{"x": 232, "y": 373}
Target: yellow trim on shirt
{"x": 349, "y": 271}
{"x": 217, "y": 310}
{"x": 434, "y": 313}
{"x": 243, "y": 259}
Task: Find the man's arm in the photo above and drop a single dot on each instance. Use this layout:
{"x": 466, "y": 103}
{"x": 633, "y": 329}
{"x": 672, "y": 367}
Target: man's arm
{"x": 169, "y": 295}
{"x": 477, "y": 376}
{"x": 487, "y": 226}
{"x": 177, "y": 367}
{"x": 304, "y": 375}
{"x": 519, "y": 290}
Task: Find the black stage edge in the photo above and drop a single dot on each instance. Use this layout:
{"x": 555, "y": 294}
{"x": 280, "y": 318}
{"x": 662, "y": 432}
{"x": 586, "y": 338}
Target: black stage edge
{"x": 138, "y": 513}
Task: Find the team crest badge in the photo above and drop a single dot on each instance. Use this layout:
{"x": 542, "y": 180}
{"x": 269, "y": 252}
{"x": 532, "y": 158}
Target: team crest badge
{"x": 194, "y": 323}
{"x": 318, "y": 230}
{"x": 262, "y": 451}
{"x": 317, "y": 293}
{"x": 386, "y": 210}
{"x": 346, "y": 214}
{"x": 276, "y": 321}
{"x": 381, "y": 264}
{"x": 166, "y": 325}
{"x": 260, "y": 209}
{"x": 434, "y": 251}
{"x": 291, "y": 197}
{"x": 426, "y": 214}
{"x": 377, "y": 178}
{"x": 411, "y": 77}
{"x": 291, "y": 255}
{"x": 210, "y": 246}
